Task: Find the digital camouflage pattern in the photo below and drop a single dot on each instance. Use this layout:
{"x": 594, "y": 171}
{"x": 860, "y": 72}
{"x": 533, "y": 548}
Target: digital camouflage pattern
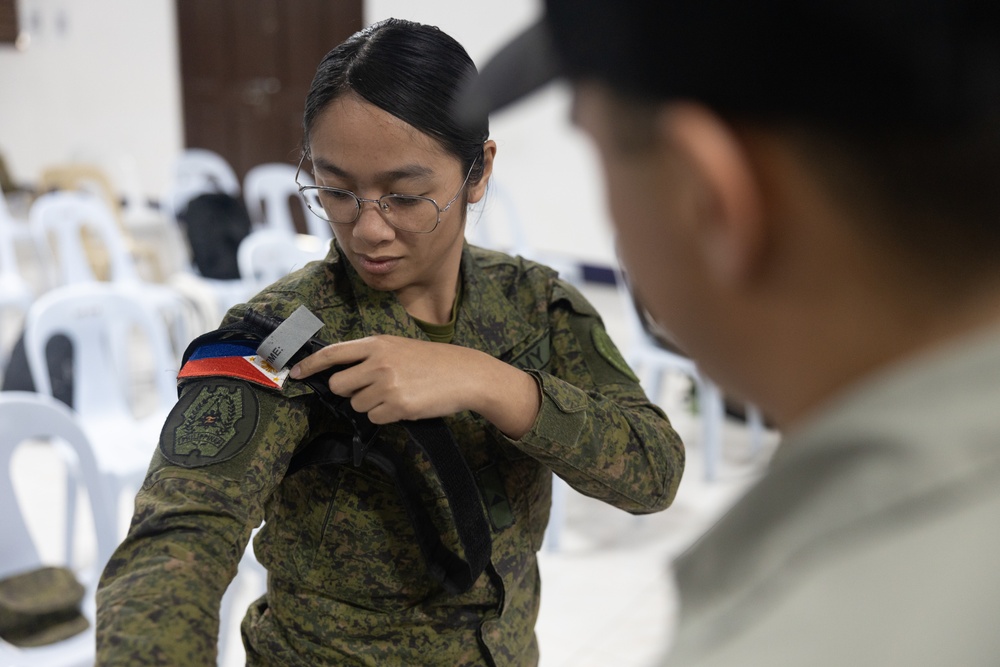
{"x": 347, "y": 581}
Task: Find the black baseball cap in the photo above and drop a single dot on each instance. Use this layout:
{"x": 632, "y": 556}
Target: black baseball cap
{"x": 860, "y": 63}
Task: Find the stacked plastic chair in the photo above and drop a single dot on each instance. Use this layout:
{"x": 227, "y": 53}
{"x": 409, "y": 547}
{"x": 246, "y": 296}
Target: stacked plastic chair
{"x": 107, "y": 326}
{"x": 27, "y": 417}
{"x": 15, "y": 293}
{"x": 269, "y": 190}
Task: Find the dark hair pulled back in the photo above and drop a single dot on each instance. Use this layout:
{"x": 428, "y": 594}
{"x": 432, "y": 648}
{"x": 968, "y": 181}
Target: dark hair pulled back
{"x": 410, "y": 70}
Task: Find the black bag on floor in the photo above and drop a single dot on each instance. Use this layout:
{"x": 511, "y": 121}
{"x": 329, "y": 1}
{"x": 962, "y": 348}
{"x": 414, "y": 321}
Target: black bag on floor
{"x": 215, "y": 223}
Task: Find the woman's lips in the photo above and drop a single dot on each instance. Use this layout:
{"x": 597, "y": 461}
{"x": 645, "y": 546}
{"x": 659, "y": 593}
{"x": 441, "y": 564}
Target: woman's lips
{"x": 378, "y": 265}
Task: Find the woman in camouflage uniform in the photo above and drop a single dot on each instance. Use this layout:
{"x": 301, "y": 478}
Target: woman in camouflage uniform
{"x": 514, "y": 359}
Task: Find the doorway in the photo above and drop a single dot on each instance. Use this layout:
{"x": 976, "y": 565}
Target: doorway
{"x": 246, "y": 66}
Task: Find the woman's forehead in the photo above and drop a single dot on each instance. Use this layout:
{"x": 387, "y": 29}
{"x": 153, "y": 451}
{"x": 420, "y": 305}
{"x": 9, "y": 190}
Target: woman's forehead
{"x": 352, "y": 129}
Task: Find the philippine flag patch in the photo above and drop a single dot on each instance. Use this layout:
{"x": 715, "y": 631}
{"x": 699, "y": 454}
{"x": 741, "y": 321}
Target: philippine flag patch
{"x": 235, "y": 359}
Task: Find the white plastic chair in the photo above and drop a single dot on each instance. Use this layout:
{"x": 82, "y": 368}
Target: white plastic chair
{"x": 267, "y": 191}
{"x": 652, "y": 362}
{"x": 266, "y": 255}
{"x": 197, "y": 171}
{"x": 101, "y": 321}
{"x": 26, "y": 416}
{"x": 63, "y": 217}
{"x": 15, "y": 293}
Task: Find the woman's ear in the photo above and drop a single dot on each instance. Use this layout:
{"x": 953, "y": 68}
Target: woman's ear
{"x": 730, "y": 227}
{"x": 477, "y": 190}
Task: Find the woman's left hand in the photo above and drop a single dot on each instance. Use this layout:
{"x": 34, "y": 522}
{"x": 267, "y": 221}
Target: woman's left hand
{"x": 398, "y": 378}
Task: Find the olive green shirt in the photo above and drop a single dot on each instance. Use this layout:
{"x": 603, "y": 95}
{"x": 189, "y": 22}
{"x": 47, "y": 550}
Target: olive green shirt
{"x": 347, "y": 583}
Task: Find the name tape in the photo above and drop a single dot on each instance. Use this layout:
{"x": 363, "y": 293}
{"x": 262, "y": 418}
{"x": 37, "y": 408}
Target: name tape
{"x": 289, "y": 337}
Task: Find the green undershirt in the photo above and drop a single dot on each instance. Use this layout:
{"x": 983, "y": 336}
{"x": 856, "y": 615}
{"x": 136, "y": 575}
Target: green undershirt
{"x": 442, "y": 333}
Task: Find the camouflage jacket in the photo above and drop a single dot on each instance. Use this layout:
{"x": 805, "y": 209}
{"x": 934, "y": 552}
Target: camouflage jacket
{"x": 347, "y": 583}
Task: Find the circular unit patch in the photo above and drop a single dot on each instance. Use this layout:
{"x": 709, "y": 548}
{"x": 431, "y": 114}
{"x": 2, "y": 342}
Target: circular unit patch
{"x": 210, "y": 425}
{"x": 606, "y": 348}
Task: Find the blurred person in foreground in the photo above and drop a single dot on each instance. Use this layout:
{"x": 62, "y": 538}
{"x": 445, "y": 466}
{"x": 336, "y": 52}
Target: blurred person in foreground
{"x": 806, "y": 199}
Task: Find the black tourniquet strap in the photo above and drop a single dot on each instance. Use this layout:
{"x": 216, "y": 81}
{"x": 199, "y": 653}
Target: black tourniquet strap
{"x": 432, "y": 436}
{"x": 454, "y": 573}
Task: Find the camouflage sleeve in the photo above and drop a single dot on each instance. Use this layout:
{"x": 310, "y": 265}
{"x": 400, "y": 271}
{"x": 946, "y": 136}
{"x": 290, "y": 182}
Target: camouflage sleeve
{"x": 223, "y": 450}
{"x": 596, "y": 428}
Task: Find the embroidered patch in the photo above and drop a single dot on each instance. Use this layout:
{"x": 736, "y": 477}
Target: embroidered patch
{"x": 209, "y": 425}
{"x": 237, "y": 359}
{"x": 536, "y": 356}
{"x": 606, "y": 348}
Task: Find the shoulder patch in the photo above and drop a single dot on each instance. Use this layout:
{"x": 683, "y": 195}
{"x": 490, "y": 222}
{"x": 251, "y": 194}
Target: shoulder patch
{"x": 210, "y": 424}
{"x": 609, "y": 352}
{"x": 235, "y": 359}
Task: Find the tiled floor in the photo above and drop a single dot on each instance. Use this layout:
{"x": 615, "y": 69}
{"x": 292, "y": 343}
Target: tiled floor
{"x": 607, "y": 597}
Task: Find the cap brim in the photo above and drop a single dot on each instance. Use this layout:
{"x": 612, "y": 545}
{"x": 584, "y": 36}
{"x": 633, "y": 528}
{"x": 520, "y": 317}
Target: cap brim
{"x": 524, "y": 65}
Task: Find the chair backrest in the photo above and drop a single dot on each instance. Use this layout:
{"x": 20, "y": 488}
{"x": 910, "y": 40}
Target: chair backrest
{"x": 267, "y": 255}
{"x": 28, "y": 416}
{"x": 197, "y": 171}
{"x": 82, "y": 176}
{"x": 68, "y": 219}
{"x": 269, "y": 189}
{"x": 99, "y": 319}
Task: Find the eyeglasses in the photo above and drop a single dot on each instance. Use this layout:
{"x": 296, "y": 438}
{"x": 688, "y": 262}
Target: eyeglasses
{"x": 408, "y": 213}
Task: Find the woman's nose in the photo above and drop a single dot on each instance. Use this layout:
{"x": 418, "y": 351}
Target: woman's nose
{"x": 371, "y": 227}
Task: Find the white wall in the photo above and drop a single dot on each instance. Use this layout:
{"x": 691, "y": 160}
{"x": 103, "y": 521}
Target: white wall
{"x": 100, "y": 82}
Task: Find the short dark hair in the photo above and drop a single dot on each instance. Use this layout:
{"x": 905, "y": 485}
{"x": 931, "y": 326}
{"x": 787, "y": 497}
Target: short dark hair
{"x": 410, "y": 70}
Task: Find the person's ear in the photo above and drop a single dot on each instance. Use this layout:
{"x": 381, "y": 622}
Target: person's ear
{"x": 730, "y": 225}
{"x": 477, "y": 190}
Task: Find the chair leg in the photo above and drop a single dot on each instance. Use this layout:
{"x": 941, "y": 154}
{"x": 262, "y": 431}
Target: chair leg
{"x": 710, "y": 404}
{"x": 557, "y": 515}
{"x": 755, "y": 422}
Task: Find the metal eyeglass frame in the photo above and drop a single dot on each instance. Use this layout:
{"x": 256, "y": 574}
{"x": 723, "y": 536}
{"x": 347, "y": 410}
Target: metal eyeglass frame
{"x": 379, "y": 202}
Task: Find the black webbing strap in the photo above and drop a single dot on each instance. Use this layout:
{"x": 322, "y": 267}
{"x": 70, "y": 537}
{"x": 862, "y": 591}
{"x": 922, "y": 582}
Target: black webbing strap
{"x": 455, "y": 573}
{"x": 432, "y": 436}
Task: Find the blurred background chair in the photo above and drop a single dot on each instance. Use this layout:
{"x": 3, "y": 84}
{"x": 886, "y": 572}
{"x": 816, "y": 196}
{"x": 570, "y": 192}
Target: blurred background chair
{"x": 89, "y": 177}
{"x": 197, "y": 171}
{"x": 268, "y": 254}
{"x": 271, "y": 195}
{"x": 15, "y": 292}
{"x": 120, "y": 406}
{"x": 87, "y": 246}
{"x": 31, "y": 418}
{"x": 85, "y": 240}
